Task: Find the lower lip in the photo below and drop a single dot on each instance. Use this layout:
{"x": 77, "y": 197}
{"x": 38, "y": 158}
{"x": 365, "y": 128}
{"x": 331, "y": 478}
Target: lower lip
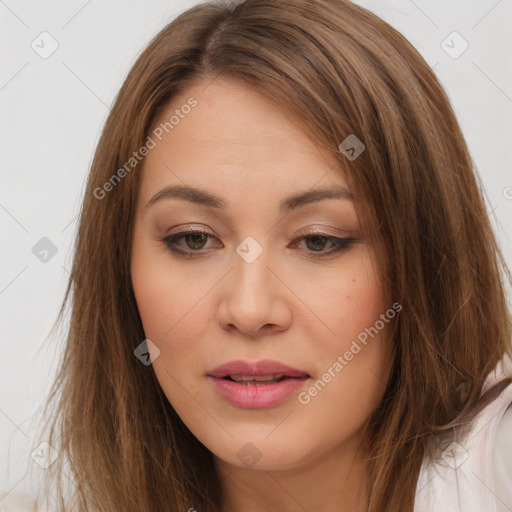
{"x": 257, "y": 396}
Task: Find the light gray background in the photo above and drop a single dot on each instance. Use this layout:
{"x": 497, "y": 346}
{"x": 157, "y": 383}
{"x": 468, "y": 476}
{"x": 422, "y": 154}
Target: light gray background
{"x": 53, "y": 110}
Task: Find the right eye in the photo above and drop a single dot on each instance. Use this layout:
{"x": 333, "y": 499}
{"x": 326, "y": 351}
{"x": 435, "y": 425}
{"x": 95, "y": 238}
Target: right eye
{"x": 195, "y": 241}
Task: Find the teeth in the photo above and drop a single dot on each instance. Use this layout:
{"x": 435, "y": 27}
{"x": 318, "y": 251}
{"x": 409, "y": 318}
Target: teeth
{"x": 257, "y": 378}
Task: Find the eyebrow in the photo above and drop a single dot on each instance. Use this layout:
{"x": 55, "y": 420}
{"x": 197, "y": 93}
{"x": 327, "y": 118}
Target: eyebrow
{"x": 204, "y": 198}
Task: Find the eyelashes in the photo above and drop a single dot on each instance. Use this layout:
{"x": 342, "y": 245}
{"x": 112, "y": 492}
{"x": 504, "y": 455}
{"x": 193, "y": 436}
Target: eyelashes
{"x": 199, "y": 237}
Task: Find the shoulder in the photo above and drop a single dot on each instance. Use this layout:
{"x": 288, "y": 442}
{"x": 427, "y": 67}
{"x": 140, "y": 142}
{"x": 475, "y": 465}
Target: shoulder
{"x": 502, "y": 463}
{"x": 473, "y": 474}
{"x": 11, "y": 502}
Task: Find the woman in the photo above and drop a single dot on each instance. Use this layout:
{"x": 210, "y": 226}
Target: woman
{"x": 285, "y": 373}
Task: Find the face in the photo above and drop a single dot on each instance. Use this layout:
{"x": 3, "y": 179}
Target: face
{"x": 241, "y": 272}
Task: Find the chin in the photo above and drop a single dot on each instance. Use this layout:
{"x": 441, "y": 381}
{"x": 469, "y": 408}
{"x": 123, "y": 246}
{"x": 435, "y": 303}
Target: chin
{"x": 257, "y": 453}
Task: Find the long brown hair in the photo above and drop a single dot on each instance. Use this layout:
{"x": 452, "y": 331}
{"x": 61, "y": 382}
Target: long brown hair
{"x": 338, "y": 70}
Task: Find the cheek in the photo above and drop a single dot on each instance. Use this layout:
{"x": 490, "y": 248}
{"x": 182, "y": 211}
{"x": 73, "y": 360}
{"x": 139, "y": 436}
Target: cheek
{"x": 171, "y": 311}
{"x": 356, "y": 356}
{"x": 348, "y": 302}
{"x": 166, "y": 298}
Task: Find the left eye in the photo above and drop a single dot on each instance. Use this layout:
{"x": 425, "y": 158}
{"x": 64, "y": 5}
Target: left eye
{"x": 317, "y": 241}
{"x": 196, "y": 240}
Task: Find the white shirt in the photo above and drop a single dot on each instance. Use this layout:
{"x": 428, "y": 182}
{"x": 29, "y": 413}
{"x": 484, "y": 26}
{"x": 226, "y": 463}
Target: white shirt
{"x": 475, "y": 476}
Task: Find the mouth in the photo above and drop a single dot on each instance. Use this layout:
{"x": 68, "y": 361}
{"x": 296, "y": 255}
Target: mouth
{"x": 260, "y": 380}
{"x": 257, "y": 385}
{"x": 259, "y": 371}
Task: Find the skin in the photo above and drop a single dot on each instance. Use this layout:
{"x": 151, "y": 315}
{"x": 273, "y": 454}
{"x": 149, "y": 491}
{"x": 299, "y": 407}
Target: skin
{"x": 289, "y": 305}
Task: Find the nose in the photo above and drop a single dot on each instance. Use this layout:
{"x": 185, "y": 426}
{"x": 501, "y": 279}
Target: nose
{"x": 255, "y": 298}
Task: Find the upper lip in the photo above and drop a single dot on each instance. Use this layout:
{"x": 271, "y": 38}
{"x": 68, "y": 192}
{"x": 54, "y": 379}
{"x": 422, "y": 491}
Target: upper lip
{"x": 264, "y": 367}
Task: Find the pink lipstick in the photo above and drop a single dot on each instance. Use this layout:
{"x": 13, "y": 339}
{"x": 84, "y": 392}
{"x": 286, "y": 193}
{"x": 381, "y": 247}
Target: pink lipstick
{"x": 257, "y": 385}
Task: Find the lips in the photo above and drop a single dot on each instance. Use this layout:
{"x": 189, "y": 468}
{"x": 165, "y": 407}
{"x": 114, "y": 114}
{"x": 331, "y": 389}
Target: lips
{"x": 257, "y": 385}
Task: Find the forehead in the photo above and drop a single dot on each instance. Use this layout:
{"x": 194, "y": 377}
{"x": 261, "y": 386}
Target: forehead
{"x": 235, "y": 135}
{"x": 238, "y": 113}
